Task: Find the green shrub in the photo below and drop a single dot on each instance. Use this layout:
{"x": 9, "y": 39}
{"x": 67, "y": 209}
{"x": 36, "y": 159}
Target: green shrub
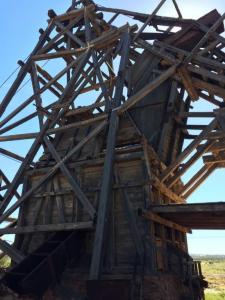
{"x": 5, "y": 262}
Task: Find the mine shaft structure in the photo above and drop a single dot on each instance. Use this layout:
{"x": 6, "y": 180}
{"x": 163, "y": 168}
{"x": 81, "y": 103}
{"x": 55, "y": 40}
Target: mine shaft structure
{"x": 98, "y": 204}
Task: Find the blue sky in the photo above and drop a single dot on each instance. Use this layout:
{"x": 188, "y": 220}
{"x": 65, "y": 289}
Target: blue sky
{"x": 19, "y": 24}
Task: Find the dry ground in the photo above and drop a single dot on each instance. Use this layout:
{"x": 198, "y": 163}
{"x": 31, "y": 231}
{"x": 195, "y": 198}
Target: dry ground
{"x": 214, "y": 271}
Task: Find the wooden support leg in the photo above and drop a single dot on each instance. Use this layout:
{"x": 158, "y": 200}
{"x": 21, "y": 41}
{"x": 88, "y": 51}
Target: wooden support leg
{"x": 101, "y": 81}
{"x": 104, "y": 201}
{"x": 150, "y": 247}
{"x": 122, "y": 68}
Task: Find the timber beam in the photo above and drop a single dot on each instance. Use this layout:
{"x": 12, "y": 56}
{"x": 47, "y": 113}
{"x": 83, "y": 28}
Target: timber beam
{"x": 47, "y": 228}
{"x": 157, "y": 219}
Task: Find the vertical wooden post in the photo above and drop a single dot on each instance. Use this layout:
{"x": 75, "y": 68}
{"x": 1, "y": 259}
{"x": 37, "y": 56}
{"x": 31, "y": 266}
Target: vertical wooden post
{"x": 150, "y": 247}
{"x": 36, "y": 88}
{"x": 122, "y": 68}
{"x": 104, "y": 202}
{"x": 105, "y": 199}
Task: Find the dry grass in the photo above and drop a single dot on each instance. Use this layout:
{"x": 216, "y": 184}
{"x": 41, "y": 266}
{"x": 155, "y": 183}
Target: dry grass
{"x": 214, "y": 272}
{"x": 210, "y": 295}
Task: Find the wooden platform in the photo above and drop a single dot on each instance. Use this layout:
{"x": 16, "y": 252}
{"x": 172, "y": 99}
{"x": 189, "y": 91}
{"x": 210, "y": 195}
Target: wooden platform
{"x": 194, "y": 216}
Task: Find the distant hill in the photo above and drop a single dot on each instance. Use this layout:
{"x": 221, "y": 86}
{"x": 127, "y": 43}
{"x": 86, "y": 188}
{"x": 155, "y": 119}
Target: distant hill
{"x": 208, "y": 257}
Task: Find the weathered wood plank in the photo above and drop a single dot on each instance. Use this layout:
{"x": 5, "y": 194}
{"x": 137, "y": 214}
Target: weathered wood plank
{"x": 147, "y": 89}
{"x": 71, "y": 14}
{"x": 47, "y": 228}
{"x": 105, "y": 199}
{"x": 134, "y": 230}
{"x": 78, "y": 192}
{"x": 166, "y": 191}
{"x": 52, "y": 171}
{"x": 156, "y": 218}
{"x": 37, "y": 143}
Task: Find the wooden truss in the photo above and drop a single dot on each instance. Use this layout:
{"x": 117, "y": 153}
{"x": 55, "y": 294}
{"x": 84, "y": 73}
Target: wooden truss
{"x": 90, "y": 56}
